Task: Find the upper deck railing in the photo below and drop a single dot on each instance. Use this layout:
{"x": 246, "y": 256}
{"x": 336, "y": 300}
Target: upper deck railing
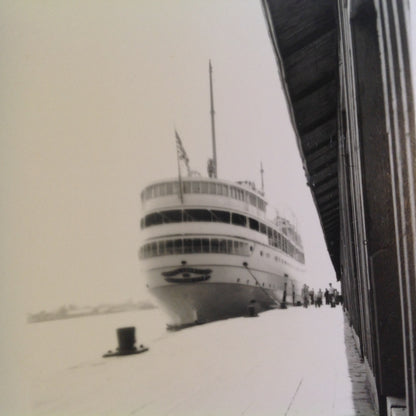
{"x": 205, "y": 186}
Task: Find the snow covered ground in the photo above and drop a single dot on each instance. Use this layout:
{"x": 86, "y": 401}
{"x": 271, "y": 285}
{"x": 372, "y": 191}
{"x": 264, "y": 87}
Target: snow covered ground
{"x": 284, "y": 362}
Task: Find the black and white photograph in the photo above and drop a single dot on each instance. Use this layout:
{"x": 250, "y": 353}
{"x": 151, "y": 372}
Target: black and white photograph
{"x": 208, "y": 208}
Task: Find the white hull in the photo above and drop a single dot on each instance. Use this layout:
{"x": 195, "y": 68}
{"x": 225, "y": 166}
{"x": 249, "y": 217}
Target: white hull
{"x": 212, "y": 292}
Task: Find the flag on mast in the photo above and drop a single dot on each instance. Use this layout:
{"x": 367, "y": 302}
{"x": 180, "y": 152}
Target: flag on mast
{"x": 181, "y": 151}
{"x": 181, "y": 155}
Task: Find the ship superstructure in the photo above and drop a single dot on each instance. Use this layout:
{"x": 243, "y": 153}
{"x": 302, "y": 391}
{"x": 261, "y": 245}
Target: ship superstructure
{"x": 212, "y": 247}
{"x": 209, "y": 250}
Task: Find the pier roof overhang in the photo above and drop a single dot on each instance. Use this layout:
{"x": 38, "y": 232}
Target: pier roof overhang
{"x": 304, "y": 34}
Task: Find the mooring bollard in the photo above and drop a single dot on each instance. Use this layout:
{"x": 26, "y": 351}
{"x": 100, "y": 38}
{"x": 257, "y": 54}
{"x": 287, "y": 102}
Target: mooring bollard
{"x": 251, "y": 309}
{"x": 126, "y": 339}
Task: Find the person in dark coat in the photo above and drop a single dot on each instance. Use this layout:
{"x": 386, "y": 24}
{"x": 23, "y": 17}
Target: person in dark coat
{"x": 318, "y": 301}
{"x": 305, "y": 295}
{"x": 331, "y": 291}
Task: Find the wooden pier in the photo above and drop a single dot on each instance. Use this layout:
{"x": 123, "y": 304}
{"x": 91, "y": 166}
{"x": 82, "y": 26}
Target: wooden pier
{"x": 346, "y": 70}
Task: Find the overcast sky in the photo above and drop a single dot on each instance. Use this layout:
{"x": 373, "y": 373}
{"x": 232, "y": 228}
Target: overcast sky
{"x": 92, "y": 91}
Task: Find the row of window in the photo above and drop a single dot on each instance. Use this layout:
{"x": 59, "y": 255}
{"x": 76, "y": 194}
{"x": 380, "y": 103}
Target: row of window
{"x": 194, "y": 245}
{"x": 203, "y": 187}
{"x": 276, "y": 239}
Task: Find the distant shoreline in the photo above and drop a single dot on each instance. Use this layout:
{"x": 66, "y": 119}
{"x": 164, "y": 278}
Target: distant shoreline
{"x": 69, "y": 312}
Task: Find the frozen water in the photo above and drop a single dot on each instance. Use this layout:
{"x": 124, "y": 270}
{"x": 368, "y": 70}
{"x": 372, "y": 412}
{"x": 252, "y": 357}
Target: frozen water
{"x": 284, "y": 362}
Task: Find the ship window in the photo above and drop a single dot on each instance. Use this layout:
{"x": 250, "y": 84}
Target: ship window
{"x": 219, "y": 189}
{"x": 212, "y": 188}
{"x": 175, "y": 188}
{"x": 187, "y": 245}
{"x": 235, "y": 251}
{"x": 223, "y": 246}
{"x": 284, "y": 244}
{"x": 204, "y": 187}
{"x": 275, "y": 238}
{"x": 221, "y": 216}
{"x": 269, "y": 232}
{"x": 225, "y": 190}
{"x": 153, "y": 249}
{"x": 196, "y": 187}
{"x": 252, "y": 199}
{"x": 161, "y": 248}
{"x": 238, "y": 219}
{"x": 263, "y": 228}
{"x": 232, "y": 192}
{"x": 205, "y": 245}
{"x": 186, "y": 186}
{"x": 177, "y": 246}
{"x": 214, "y": 245}
{"x": 254, "y": 224}
{"x": 191, "y": 246}
{"x": 197, "y": 215}
{"x": 169, "y": 188}
{"x": 279, "y": 240}
{"x": 172, "y": 216}
{"x": 196, "y": 245}
{"x": 186, "y": 216}
{"x": 162, "y": 189}
{"x": 147, "y": 250}
{"x": 153, "y": 219}
{"x": 169, "y": 247}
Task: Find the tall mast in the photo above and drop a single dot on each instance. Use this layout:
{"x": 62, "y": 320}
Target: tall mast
{"x": 261, "y": 173}
{"x": 214, "y": 146}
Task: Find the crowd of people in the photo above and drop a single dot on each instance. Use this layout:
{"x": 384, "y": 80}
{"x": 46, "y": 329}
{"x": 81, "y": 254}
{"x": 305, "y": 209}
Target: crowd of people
{"x": 331, "y": 295}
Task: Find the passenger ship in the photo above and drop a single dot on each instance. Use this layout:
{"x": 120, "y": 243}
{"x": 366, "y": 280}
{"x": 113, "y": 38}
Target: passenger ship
{"x": 211, "y": 250}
